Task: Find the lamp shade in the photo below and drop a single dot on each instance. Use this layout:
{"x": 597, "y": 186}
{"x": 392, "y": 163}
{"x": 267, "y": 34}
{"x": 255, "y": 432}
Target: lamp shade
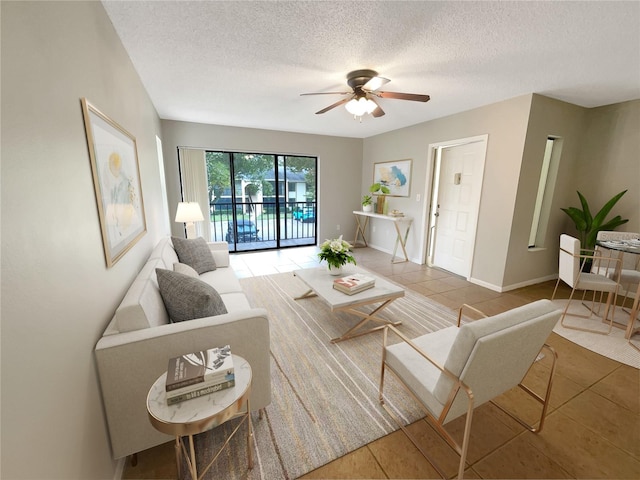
{"x": 189, "y": 212}
{"x": 360, "y": 106}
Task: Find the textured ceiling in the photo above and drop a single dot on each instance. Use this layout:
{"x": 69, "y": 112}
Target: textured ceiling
{"x": 245, "y": 63}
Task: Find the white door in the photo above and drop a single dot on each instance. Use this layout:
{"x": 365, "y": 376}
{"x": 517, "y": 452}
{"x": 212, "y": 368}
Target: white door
{"x": 458, "y": 200}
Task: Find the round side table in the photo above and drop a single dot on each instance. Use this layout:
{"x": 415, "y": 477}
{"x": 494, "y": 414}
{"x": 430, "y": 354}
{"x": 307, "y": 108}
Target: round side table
{"x": 198, "y": 415}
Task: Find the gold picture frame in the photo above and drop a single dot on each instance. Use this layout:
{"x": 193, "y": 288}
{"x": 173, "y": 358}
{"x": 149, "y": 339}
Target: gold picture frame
{"x": 395, "y": 175}
{"x": 116, "y": 179}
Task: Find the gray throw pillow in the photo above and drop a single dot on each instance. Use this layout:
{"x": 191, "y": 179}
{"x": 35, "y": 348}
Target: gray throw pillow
{"x": 186, "y": 298}
{"x": 195, "y": 253}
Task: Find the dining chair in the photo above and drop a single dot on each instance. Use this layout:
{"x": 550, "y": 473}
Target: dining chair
{"x": 630, "y": 266}
{"x": 453, "y": 371}
{"x": 571, "y": 266}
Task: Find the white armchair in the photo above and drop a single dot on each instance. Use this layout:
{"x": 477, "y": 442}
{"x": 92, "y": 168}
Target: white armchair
{"x": 453, "y": 371}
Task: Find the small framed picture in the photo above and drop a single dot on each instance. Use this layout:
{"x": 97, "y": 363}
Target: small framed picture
{"x": 116, "y": 180}
{"x": 395, "y": 175}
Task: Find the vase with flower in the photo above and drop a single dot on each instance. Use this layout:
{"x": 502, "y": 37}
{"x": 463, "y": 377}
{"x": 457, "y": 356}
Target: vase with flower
{"x": 381, "y": 191}
{"x": 336, "y": 253}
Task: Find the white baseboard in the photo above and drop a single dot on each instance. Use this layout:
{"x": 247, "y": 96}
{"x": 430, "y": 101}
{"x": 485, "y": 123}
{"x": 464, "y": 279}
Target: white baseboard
{"x": 484, "y": 284}
{"x": 507, "y": 288}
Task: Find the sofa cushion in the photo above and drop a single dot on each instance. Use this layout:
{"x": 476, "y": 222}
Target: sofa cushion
{"x": 164, "y": 251}
{"x": 187, "y": 298}
{"x": 224, "y": 280}
{"x": 185, "y": 270}
{"x": 194, "y": 252}
{"x": 142, "y": 306}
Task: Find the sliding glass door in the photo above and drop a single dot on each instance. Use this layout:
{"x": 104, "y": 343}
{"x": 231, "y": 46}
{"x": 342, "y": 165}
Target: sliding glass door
{"x": 262, "y": 201}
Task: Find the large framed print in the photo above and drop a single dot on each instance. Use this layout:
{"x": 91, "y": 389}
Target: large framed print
{"x": 395, "y": 175}
{"x": 116, "y": 180}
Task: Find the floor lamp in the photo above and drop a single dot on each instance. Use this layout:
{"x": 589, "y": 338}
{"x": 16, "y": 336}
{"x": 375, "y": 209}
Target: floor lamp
{"x": 188, "y": 213}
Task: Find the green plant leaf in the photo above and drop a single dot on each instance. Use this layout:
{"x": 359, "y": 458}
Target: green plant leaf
{"x": 577, "y": 216}
{"x": 604, "y": 211}
{"x": 588, "y": 226}
{"x": 586, "y": 212}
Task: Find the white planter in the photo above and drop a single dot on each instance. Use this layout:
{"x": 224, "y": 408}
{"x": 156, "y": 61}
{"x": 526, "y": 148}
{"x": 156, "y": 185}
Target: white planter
{"x": 367, "y": 208}
{"x": 334, "y": 270}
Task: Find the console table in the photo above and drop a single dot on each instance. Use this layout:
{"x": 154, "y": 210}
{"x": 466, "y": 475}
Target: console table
{"x": 362, "y": 220}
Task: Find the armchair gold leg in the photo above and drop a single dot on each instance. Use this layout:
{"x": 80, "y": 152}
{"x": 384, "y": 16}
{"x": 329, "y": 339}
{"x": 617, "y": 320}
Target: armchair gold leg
{"x": 542, "y": 400}
{"x": 413, "y": 440}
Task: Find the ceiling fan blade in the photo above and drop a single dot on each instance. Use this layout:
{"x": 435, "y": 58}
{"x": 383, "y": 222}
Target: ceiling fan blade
{"x": 375, "y": 83}
{"x": 378, "y": 112}
{"x": 326, "y": 93}
{"x": 404, "y": 96}
{"x": 330, "y": 107}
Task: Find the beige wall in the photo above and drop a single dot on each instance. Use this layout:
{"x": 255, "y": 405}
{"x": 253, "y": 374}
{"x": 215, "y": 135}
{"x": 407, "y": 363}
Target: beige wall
{"x": 548, "y": 117}
{"x": 339, "y": 165}
{"x": 599, "y": 156}
{"x": 57, "y": 294}
{"x": 506, "y": 124}
{"x": 610, "y": 161}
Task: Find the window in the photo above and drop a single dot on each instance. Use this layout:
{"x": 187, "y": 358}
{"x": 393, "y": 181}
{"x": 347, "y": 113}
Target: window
{"x": 546, "y": 187}
{"x": 261, "y": 201}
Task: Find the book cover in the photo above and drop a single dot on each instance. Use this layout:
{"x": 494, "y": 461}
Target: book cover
{"x": 355, "y": 290}
{"x": 200, "y": 392}
{"x": 197, "y": 386}
{"x": 354, "y": 283}
{"x": 210, "y": 366}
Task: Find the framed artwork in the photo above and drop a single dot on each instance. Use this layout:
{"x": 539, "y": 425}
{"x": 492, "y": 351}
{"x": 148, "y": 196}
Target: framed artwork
{"x": 395, "y": 175}
{"x": 116, "y": 180}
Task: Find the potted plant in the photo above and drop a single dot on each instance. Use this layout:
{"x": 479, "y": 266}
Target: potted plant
{"x": 336, "y": 253}
{"x": 380, "y": 190}
{"x": 588, "y": 226}
{"x": 367, "y": 203}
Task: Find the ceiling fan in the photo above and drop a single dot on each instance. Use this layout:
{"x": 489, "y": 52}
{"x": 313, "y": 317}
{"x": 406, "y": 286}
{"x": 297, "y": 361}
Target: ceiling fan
{"x": 361, "y": 100}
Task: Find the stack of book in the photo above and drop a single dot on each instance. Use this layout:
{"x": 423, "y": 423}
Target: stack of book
{"x": 200, "y": 373}
{"x": 352, "y": 284}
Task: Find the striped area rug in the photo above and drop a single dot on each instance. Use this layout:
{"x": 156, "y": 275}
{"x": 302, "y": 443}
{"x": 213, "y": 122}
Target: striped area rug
{"x": 324, "y": 396}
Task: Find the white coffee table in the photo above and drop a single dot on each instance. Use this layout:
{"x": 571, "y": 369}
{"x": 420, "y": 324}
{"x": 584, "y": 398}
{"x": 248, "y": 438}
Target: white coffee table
{"x": 320, "y": 284}
{"x": 200, "y": 414}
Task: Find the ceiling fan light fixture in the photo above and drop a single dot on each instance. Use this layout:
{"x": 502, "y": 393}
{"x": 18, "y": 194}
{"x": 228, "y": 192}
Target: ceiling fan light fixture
{"x": 358, "y": 107}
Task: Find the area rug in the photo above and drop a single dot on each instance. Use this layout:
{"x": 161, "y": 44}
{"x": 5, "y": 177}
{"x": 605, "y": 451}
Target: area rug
{"x": 324, "y": 396}
{"x": 614, "y": 345}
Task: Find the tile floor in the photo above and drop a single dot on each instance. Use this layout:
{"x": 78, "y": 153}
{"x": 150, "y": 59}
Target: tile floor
{"x": 592, "y": 430}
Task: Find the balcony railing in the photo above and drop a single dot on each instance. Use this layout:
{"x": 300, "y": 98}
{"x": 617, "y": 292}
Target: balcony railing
{"x": 256, "y": 226}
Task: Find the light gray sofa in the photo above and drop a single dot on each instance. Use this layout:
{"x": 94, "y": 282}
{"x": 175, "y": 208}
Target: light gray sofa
{"x": 137, "y": 344}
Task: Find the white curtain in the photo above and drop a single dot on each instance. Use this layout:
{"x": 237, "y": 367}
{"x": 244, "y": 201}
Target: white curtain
{"x": 193, "y": 176}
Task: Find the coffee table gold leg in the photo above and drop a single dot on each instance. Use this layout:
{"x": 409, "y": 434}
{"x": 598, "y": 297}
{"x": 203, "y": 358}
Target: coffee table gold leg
{"x": 366, "y": 317}
{"x": 307, "y": 294}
